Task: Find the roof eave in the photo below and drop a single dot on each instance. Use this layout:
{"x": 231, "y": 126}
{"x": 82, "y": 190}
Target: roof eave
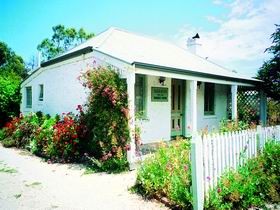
{"x": 194, "y": 73}
{"x": 58, "y": 59}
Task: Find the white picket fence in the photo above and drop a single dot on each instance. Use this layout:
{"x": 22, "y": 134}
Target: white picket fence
{"x": 230, "y": 150}
{"x": 213, "y": 154}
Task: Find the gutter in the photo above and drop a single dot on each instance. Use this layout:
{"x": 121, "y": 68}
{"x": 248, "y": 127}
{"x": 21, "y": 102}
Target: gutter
{"x": 194, "y": 73}
{"x": 61, "y": 58}
{"x": 67, "y": 56}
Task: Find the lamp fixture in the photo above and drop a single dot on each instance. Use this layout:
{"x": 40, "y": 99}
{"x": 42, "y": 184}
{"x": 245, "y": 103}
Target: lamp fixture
{"x": 161, "y": 80}
{"x": 198, "y": 84}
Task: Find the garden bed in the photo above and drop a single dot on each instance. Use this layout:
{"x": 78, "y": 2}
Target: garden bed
{"x": 166, "y": 176}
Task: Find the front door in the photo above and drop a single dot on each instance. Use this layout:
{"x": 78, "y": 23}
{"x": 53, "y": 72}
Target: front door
{"x": 177, "y": 107}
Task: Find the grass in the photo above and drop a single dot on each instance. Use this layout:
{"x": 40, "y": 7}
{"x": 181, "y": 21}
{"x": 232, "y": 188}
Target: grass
{"x": 33, "y": 184}
{"x": 6, "y": 169}
{"x": 17, "y": 196}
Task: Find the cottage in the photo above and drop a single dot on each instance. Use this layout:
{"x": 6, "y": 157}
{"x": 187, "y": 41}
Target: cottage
{"x": 171, "y": 91}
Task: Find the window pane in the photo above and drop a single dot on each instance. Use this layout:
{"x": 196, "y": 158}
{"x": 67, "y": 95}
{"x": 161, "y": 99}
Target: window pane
{"x": 209, "y": 98}
{"x": 28, "y": 97}
{"x": 41, "y": 93}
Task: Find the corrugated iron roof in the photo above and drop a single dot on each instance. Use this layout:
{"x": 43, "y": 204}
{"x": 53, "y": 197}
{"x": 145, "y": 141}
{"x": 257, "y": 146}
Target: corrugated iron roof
{"x": 134, "y": 48}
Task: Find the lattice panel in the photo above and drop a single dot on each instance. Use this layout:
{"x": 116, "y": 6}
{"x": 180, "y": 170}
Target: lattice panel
{"x": 248, "y": 105}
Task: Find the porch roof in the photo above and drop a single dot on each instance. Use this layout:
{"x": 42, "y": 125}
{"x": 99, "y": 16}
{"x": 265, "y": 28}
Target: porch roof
{"x": 138, "y": 49}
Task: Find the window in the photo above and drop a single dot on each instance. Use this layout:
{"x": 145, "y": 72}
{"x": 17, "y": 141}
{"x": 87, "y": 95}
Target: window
{"x": 28, "y": 97}
{"x": 209, "y": 99}
{"x": 41, "y": 92}
{"x": 140, "y": 94}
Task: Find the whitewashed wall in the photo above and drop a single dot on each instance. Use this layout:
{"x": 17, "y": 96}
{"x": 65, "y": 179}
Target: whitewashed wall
{"x": 157, "y": 126}
{"x": 212, "y": 121}
{"x": 62, "y": 89}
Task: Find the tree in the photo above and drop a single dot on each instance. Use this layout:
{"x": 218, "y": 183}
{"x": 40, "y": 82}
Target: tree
{"x": 62, "y": 40}
{"x": 12, "y": 70}
{"x": 10, "y": 62}
{"x": 270, "y": 70}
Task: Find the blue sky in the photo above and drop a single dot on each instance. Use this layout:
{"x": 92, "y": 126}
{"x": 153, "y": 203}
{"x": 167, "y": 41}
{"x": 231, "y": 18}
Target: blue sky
{"x": 233, "y": 33}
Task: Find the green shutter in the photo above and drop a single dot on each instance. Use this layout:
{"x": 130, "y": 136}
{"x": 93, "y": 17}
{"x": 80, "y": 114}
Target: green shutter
{"x": 140, "y": 95}
{"x": 28, "y": 97}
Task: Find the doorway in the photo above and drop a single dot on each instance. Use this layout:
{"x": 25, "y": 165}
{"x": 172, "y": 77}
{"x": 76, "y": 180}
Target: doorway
{"x": 177, "y": 107}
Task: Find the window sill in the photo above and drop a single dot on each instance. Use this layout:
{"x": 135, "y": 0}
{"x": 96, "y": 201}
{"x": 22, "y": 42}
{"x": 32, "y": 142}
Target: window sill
{"x": 210, "y": 117}
{"x": 144, "y": 119}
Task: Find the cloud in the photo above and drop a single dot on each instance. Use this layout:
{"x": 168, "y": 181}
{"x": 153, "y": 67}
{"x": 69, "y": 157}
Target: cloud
{"x": 241, "y": 37}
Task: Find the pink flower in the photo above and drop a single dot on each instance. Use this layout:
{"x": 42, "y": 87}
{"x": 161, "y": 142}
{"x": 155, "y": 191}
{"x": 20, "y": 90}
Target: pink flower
{"x": 127, "y": 147}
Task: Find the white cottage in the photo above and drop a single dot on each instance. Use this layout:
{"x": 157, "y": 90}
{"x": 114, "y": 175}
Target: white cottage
{"x": 174, "y": 91}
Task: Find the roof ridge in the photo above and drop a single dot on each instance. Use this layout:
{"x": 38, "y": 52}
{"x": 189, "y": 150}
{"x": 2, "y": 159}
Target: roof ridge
{"x": 172, "y": 44}
{"x": 110, "y": 30}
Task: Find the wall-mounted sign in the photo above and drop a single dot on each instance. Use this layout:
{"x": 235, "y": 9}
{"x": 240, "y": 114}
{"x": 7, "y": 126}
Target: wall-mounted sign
{"x": 159, "y": 94}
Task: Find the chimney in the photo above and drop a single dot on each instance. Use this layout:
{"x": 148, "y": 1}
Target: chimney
{"x": 192, "y": 44}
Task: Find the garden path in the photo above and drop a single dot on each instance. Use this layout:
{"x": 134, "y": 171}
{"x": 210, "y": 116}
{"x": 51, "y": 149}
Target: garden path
{"x": 38, "y": 185}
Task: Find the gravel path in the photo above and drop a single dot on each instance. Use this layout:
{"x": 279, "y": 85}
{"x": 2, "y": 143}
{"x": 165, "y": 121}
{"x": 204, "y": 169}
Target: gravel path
{"x": 34, "y": 184}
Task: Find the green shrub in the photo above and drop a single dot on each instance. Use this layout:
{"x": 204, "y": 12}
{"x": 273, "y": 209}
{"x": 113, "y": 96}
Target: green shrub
{"x": 45, "y": 136}
{"x": 167, "y": 174}
{"x": 2, "y": 134}
{"x": 9, "y": 96}
{"x": 25, "y": 129}
{"x": 231, "y": 125}
{"x": 106, "y": 117}
{"x": 42, "y": 137}
{"x": 253, "y": 184}
{"x": 65, "y": 142}
{"x": 273, "y": 112}
{"x": 9, "y": 142}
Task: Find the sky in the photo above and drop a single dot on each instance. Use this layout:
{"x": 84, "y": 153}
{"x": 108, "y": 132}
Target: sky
{"x": 234, "y": 33}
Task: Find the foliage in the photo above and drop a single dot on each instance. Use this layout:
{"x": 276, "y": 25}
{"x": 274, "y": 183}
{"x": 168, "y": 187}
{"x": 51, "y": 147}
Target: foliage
{"x": 253, "y": 184}
{"x": 106, "y": 117}
{"x": 248, "y": 105}
{"x": 273, "y": 112}
{"x": 269, "y": 72}
{"x": 62, "y": 40}
{"x": 65, "y": 139}
{"x": 232, "y": 125}
{"x": 10, "y": 63}
{"x": 45, "y": 136}
{"x": 167, "y": 174}
{"x": 11, "y": 71}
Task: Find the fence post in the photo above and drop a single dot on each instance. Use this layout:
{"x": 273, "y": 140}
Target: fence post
{"x": 259, "y": 137}
{"x": 197, "y": 172}
{"x": 277, "y": 133}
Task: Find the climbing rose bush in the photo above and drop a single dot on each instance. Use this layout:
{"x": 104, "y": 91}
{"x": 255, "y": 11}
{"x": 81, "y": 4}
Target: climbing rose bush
{"x": 106, "y": 117}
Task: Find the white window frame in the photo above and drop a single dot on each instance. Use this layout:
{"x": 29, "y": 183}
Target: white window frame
{"x": 41, "y": 99}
